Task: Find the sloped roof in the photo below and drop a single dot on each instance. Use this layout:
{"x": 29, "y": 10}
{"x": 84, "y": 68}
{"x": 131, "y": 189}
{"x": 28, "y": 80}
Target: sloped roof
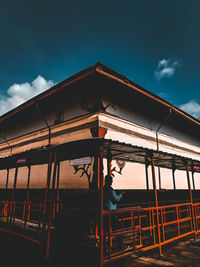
{"x": 105, "y": 72}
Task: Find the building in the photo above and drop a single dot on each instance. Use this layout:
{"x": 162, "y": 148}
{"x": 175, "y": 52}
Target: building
{"x": 96, "y": 110}
{"x": 99, "y": 102}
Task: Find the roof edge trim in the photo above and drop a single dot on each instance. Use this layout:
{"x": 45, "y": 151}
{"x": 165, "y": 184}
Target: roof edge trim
{"x": 177, "y": 110}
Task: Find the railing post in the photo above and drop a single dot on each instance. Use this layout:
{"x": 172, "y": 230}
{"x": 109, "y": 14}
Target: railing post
{"x": 156, "y": 201}
{"x": 191, "y": 200}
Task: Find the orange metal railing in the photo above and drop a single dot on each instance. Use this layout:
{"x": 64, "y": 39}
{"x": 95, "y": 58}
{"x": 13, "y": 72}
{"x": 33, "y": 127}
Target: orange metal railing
{"x": 127, "y": 230}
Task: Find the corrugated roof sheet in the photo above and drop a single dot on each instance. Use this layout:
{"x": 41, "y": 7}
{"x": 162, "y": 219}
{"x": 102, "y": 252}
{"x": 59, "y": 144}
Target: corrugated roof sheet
{"x": 92, "y": 147}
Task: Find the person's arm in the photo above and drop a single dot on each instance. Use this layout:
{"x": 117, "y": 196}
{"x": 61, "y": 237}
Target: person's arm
{"x": 116, "y": 197}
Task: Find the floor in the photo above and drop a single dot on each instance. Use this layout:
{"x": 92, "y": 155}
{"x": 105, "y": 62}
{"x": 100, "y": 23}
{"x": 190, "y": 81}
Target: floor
{"x": 185, "y": 253}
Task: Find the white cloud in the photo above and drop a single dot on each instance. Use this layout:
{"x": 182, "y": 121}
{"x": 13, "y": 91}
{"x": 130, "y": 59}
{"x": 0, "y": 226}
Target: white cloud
{"x": 192, "y": 107}
{"x": 165, "y": 68}
{"x": 19, "y": 93}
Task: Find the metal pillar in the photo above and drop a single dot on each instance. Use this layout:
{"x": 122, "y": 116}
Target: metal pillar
{"x": 13, "y": 194}
{"x": 174, "y": 183}
{"x": 194, "y": 187}
{"x": 46, "y": 201}
{"x": 50, "y": 208}
{"x": 147, "y": 179}
{"x": 100, "y": 175}
{"x": 109, "y": 166}
{"x": 156, "y": 202}
{"x": 57, "y": 187}
{"x": 6, "y": 210}
{"x": 191, "y": 200}
{"x": 6, "y": 192}
{"x": 48, "y": 184}
{"x": 28, "y": 184}
{"x": 27, "y": 198}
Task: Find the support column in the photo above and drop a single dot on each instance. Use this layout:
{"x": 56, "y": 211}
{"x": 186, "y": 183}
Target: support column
{"x": 47, "y": 184}
{"x": 6, "y": 210}
{"x": 26, "y": 207}
{"x": 147, "y": 179}
{"x": 57, "y": 188}
{"x": 191, "y": 200}
{"x": 28, "y": 184}
{"x": 193, "y": 183}
{"x": 100, "y": 174}
{"x": 174, "y": 183}
{"x": 109, "y": 166}
{"x": 13, "y": 194}
{"x": 6, "y": 192}
{"x": 51, "y": 208}
{"x": 45, "y": 203}
{"x": 156, "y": 202}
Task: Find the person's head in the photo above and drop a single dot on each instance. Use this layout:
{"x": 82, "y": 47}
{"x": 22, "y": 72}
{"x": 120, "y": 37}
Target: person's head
{"x": 108, "y": 180}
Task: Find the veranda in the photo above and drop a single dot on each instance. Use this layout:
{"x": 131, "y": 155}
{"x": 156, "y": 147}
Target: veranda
{"x": 141, "y": 227}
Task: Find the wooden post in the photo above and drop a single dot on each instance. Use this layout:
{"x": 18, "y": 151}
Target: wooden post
{"x": 156, "y": 202}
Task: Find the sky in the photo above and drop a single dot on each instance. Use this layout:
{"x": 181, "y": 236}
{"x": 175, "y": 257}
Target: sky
{"x": 155, "y": 43}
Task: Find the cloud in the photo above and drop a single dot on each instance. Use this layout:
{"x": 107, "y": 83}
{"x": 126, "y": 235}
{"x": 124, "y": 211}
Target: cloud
{"x": 191, "y": 107}
{"x": 165, "y": 68}
{"x": 19, "y": 93}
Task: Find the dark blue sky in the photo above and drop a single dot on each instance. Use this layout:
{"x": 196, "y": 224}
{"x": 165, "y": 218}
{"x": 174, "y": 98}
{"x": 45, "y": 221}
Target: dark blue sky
{"x": 56, "y": 39}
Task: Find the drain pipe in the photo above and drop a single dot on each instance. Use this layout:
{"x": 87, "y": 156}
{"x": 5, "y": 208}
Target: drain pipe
{"x": 157, "y": 141}
{"x": 162, "y": 122}
{"x": 4, "y": 138}
{"x": 45, "y": 121}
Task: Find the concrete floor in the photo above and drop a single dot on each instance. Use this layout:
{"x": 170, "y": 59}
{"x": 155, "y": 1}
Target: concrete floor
{"x": 185, "y": 253}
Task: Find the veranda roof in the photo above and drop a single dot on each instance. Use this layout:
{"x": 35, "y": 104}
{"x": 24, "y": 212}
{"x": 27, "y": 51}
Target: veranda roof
{"x": 92, "y": 147}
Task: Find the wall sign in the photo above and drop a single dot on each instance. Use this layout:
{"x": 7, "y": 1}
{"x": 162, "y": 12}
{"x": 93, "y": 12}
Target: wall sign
{"x": 81, "y": 161}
